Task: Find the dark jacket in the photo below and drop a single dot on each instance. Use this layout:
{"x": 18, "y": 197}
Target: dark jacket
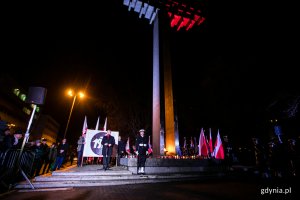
{"x": 141, "y": 145}
{"x": 107, "y": 150}
{"x": 121, "y": 147}
{"x": 38, "y": 152}
{"x": 52, "y": 153}
{"x": 62, "y": 147}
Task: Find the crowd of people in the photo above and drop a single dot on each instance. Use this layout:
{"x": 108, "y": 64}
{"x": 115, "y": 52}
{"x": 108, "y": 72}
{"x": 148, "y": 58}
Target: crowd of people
{"x": 46, "y": 158}
{"x": 278, "y": 158}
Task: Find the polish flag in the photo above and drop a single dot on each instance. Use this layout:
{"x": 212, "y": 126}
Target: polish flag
{"x": 150, "y": 147}
{"x": 97, "y": 125}
{"x": 127, "y": 146}
{"x": 203, "y": 150}
{"x": 85, "y": 127}
{"x": 192, "y": 143}
{"x": 219, "y": 150}
{"x": 105, "y": 124}
{"x": 210, "y": 143}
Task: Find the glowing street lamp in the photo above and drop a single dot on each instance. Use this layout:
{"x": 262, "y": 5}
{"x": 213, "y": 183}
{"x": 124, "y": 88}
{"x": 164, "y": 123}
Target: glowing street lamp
{"x": 71, "y": 93}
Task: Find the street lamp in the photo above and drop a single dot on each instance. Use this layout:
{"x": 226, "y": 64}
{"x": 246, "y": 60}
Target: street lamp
{"x": 74, "y": 95}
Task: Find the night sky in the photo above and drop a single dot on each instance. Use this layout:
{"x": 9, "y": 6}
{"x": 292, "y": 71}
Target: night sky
{"x": 226, "y": 72}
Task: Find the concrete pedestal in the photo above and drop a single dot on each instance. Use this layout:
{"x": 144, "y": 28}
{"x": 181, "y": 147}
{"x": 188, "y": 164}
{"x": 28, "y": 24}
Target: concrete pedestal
{"x": 166, "y": 166}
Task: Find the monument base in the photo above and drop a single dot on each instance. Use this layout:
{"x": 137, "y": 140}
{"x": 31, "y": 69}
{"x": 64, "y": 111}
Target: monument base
{"x": 166, "y": 166}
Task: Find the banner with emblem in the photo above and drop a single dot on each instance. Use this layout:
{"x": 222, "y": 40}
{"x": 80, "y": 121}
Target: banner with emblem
{"x": 93, "y": 139}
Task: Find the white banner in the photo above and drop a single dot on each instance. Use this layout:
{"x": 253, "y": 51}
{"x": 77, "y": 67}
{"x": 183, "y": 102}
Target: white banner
{"x": 93, "y": 139}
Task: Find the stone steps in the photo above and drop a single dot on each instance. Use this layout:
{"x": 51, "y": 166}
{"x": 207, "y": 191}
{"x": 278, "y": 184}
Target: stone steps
{"x": 88, "y": 183}
{"x": 93, "y": 176}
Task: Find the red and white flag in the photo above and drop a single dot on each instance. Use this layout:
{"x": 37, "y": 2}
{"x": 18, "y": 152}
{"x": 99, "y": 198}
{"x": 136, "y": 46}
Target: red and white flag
{"x": 127, "y": 146}
{"x": 210, "y": 143}
{"x": 150, "y": 146}
{"x": 105, "y": 124}
{"x": 85, "y": 127}
{"x": 192, "y": 143}
{"x": 97, "y": 125}
{"x": 219, "y": 150}
{"x": 203, "y": 150}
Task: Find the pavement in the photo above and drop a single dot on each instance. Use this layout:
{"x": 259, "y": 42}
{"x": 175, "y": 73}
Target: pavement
{"x": 234, "y": 186}
{"x": 237, "y": 184}
{"x": 215, "y": 188}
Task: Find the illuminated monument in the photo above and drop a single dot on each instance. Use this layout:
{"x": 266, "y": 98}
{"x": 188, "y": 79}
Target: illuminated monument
{"x": 180, "y": 15}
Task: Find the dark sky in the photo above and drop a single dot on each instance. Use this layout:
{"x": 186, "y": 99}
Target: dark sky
{"x": 225, "y": 71}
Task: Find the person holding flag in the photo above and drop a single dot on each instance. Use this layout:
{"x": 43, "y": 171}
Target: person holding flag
{"x": 80, "y": 143}
{"x": 142, "y": 147}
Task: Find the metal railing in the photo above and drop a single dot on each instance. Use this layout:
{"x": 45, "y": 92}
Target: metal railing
{"x": 11, "y": 168}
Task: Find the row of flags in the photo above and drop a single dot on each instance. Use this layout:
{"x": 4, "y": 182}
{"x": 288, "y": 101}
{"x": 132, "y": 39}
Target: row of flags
{"x": 205, "y": 147}
{"x": 85, "y": 126}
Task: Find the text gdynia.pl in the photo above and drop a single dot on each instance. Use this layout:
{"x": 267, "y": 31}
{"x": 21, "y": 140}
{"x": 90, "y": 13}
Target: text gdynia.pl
{"x": 277, "y": 190}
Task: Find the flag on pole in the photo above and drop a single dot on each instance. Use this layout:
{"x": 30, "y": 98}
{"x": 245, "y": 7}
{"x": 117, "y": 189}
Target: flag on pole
{"x": 203, "y": 150}
{"x": 127, "y": 146}
{"x": 192, "y": 143}
{"x": 150, "y": 147}
{"x": 85, "y": 127}
{"x": 195, "y": 145}
{"x": 97, "y": 125}
{"x": 210, "y": 143}
{"x": 105, "y": 124}
{"x": 219, "y": 150}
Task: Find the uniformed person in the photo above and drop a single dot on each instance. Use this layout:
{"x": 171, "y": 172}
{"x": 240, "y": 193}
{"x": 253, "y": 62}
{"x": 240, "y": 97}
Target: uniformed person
{"x": 141, "y": 145}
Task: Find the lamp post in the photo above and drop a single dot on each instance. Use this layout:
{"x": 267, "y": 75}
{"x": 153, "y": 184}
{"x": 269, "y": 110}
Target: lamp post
{"x": 71, "y": 93}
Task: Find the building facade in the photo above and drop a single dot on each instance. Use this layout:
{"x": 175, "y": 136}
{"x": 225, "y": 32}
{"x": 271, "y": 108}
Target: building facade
{"x": 16, "y": 113}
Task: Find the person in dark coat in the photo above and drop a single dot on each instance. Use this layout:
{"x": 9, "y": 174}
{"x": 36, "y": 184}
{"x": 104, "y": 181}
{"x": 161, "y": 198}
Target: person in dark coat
{"x": 121, "y": 147}
{"x": 108, "y": 142}
{"x": 45, "y": 157}
{"x": 141, "y": 145}
{"x": 52, "y": 156}
{"x": 8, "y": 140}
{"x": 61, "y": 154}
{"x": 38, "y": 151}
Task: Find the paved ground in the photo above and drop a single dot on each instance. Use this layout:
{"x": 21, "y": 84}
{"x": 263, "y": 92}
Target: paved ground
{"x": 215, "y": 188}
{"x": 235, "y": 185}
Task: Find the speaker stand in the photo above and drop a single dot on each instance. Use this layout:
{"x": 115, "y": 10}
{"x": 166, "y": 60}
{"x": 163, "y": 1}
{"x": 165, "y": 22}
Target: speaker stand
{"x": 22, "y": 148}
